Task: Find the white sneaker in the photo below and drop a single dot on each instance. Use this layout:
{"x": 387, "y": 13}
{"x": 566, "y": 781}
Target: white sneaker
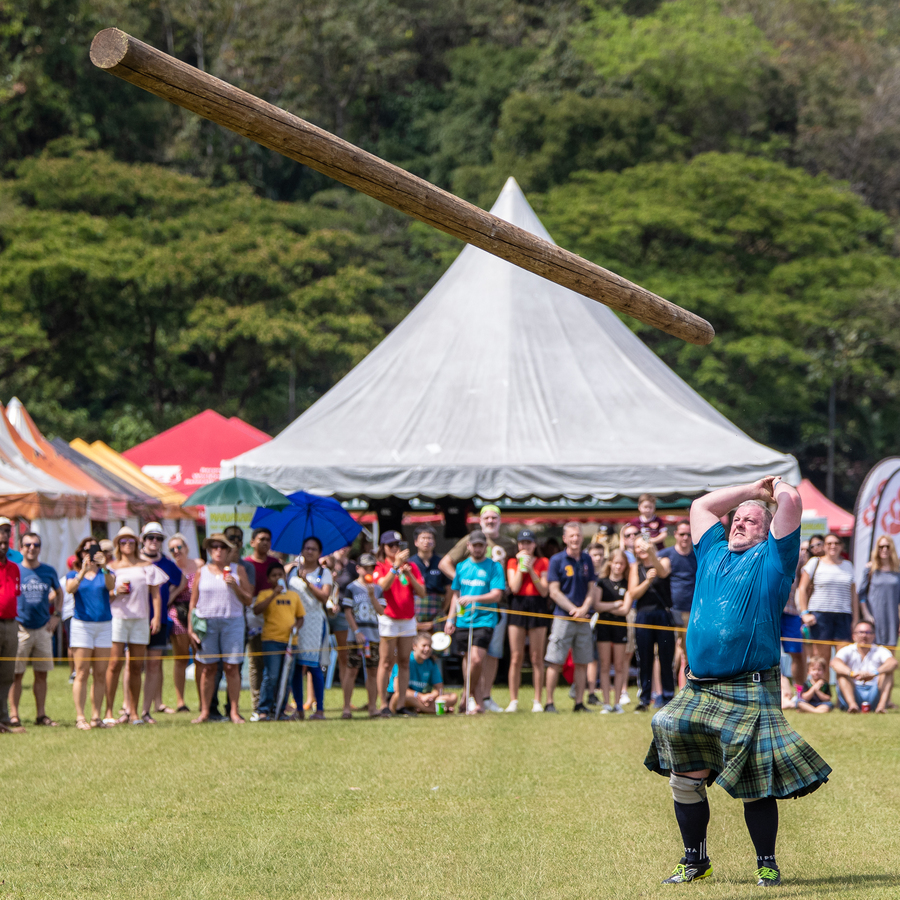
{"x": 471, "y": 705}
{"x": 254, "y": 717}
{"x": 490, "y": 706}
{"x": 513, "y": 706}
{"x": 617, "y": 709}
{"x": 624, "y": 700}
{"x": 606, "y": 708}
{"x": 572, "y": 692}
{"x": 536, "y": 707}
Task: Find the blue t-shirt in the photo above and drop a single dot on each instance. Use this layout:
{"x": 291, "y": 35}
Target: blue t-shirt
{"x": 34, "y": 596}
{"x": 422, "y": 675}
{"x": 171, "y": 569}
{"x": 735, "y": 623}
{"x": 683, "y": 577}
{"x": 436, "y": 582}
{"x": 92, "y": 599}
{"x": 474, "y": 578}
{"x": 574, "y": 577}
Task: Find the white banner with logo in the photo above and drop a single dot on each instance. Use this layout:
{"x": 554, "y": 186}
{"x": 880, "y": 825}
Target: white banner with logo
{"x": 877, "y": 512}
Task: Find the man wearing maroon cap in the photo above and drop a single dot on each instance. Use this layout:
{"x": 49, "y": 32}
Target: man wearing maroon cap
{"x": 9, "y": 628}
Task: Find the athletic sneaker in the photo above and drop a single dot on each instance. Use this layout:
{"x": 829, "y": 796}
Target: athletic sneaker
{"x": 550, "y": 708}
{"x": 640, "y": 708}
{"x": 536, "y": 706}
{"x": 513, "y": 706}
{"x": 71, "y": 678}
{"x": 624, "y": 700}
{"x": 686, "y": 871}
{"x": 490, "y": 706}
{"x": 580, "y": 707}
{"x": 606, "y": 709}
{"x": 593, "y": 699}
{"x": 254, "y": 717}
{"x": 617, "y": 709}
{"x": 407, "y": 711}
{"x": 470, "y": 707}
{"x": 766, "y": 876}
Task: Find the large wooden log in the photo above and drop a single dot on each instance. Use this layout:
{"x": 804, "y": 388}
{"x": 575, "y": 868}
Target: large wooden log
{"x": 216, "y": 100}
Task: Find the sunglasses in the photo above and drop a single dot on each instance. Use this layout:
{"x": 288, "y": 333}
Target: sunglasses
{"x": 153, "y": 537}
{"x": 177, "y": 548}
{"x": 29, "y": 546}
{"x": 127, "y": 541}
{"x": 217, "y": 547}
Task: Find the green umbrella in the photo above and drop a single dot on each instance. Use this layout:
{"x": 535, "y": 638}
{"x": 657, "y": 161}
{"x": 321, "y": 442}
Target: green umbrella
{"x": 238, "y": 492}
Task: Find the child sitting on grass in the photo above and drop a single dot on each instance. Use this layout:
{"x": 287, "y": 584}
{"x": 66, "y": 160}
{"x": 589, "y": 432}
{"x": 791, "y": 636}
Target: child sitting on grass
{"x": 426, "y": 683}
{"x": 816, "y": 695}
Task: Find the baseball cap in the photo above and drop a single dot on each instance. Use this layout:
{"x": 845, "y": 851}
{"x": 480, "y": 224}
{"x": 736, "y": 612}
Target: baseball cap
{"x": 477, "y": 537}
{"x": 366, "y": 559}
{"x": 153, "y": 528}
{"x": 5, "y": 521}
{"x": 526, "y": 535}
{"x": 391, "y": 537}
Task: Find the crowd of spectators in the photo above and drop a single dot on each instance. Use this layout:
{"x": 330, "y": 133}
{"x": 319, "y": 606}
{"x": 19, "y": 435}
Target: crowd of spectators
{"x": 575, "y": 611}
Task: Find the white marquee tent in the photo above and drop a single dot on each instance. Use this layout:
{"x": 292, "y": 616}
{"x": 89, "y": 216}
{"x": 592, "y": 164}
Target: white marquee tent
{"x": 502, "y": 384}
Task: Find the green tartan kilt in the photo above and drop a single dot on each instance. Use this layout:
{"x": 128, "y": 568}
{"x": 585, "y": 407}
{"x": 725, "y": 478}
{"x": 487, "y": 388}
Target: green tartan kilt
{"x": 737, "y": 730}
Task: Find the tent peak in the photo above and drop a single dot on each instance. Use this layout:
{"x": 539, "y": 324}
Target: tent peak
{"x": 513, "y": 206}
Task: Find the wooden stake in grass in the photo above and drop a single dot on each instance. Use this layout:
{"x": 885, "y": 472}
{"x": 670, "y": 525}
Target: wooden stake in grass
{"x": 216, "y": 100}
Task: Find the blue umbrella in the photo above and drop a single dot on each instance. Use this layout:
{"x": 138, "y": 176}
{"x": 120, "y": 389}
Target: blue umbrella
{"x": 308, "y": 516}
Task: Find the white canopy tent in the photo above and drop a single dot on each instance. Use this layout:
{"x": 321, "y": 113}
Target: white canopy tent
{"x": 502, "y": 384}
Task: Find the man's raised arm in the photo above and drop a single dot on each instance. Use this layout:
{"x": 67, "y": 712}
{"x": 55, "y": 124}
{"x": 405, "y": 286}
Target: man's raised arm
{"x": 709, "y": 509}
{"x": 790, "y": 509}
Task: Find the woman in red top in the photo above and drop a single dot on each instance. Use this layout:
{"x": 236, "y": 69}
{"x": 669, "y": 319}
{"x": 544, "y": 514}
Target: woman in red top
{"x": 400, "y": 582}
{"x": 528, "y": 588}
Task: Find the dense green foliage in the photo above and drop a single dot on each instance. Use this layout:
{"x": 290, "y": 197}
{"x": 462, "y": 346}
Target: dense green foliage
{"x": 737, "y": 156}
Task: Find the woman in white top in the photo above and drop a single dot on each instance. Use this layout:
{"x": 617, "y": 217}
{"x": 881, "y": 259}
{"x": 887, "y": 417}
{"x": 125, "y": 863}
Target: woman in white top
{"x": 313, "y": 583}
{"x": 219, "y": 594}
{"x": 826, "y": 598}
{"x": 137, "y": 587}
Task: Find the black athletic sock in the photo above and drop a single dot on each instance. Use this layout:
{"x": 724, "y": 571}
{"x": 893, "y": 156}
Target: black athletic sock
{"x": 761, "y": 817}
{"x": 693, "y": 819}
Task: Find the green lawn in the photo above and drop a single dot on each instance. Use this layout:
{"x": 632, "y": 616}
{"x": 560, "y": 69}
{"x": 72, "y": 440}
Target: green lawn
{"x": 525, "y": 806}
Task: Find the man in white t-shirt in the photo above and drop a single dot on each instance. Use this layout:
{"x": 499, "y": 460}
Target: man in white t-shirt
{"x": 865, "y": 672}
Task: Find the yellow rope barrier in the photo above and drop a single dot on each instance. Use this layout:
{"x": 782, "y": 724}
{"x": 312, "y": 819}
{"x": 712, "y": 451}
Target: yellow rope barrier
{"x": 679, "y": 628}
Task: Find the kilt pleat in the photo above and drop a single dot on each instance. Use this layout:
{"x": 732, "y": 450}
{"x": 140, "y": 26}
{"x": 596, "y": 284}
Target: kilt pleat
{"x": 736, "y": 730}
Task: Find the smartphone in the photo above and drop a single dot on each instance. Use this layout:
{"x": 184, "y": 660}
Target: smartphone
{"x": 404, "y": 545}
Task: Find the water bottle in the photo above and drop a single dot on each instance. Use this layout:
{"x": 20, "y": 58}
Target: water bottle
{"x": 367, "y": 650}
{"x": 804, "y": 630}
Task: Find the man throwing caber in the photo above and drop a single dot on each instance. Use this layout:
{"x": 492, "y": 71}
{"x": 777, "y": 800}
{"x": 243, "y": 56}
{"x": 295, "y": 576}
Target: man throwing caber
{"x": 726, "y": 724}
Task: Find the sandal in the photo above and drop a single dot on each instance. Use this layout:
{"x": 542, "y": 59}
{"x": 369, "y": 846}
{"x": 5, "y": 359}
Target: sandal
{"x": 147, "y": 719}
{"x": 15, "y": 722}
{"x": 108, "y": 722}
{"x": 183, "y": 708}
{"x": 46, "y": 720}
{"x": 98, "y": 723}
{"x": 166, "y": 710}
{"x": 81, "y": 724}
{"x": 123, "y": 719}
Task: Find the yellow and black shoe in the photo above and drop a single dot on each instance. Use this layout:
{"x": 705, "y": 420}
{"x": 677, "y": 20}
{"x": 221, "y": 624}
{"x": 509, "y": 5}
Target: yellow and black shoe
{"x": 766, "y": 876}
{"x": 689, "y": 871}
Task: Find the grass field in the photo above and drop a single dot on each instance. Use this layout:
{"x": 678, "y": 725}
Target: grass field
{"x": 502, "y": 806}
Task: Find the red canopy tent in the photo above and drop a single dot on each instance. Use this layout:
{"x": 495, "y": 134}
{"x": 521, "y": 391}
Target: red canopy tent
{"x": 816, "y": 504}
{"x": 188, "y": 456}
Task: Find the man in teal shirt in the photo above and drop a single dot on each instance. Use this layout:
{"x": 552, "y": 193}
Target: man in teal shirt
{"x": 726, "y": 724}
{"x": 477, "y": 587}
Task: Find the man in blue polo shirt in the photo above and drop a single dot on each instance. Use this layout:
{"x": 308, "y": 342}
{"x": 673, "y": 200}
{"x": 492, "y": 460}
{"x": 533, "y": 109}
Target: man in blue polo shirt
{"x": 726, "y": 724}
{"x": 40, "y": 593}
{"x": 574, "y": 590}
{"x": 478, "y": 587}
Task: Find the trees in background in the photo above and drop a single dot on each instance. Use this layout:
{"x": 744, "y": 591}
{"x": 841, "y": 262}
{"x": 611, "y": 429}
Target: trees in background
{"x": 700, "y": 118}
